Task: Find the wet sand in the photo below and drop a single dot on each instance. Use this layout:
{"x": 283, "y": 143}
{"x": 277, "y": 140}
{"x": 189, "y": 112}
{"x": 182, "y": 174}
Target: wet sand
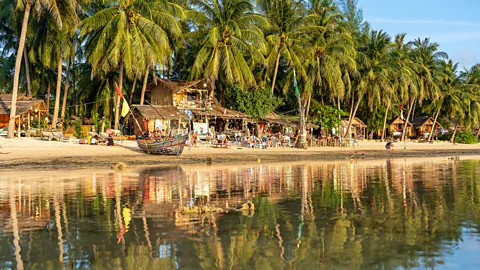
{"x": 34, "y": 154}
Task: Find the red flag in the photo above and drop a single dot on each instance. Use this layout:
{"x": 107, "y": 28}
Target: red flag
{"x": 118, "y": 90}
{"x": 401, "y": 107}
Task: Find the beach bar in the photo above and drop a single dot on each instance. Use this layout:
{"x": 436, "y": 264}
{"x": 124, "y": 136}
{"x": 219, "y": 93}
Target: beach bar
{"x": 28, "y": 109}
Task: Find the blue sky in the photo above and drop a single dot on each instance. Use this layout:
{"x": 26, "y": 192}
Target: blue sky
{"x": 454, "y": 24}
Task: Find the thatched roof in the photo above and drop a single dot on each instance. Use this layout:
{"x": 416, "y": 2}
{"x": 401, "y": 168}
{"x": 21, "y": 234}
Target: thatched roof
{"x": 8, "y": 97}
{"x": 218, "y": 110}
{"x": 422, "y": 120}
{"x": 23, "y": 106}
{"x": 178, "y": 86}
{"x": 396, "y": 119}
{"x": 274, "y": 118}
{"x": 355, "y": 123}
{"x": 152, "y": 112}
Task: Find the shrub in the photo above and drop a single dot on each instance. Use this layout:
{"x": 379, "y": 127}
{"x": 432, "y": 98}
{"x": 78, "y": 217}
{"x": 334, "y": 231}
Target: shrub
{"x": 466, "y": 138}
{"x": 445, "y": 137}
{"x": 77, "y": 126}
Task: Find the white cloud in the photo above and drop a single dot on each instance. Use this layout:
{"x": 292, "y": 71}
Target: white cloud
{"x": 431, "y": 22}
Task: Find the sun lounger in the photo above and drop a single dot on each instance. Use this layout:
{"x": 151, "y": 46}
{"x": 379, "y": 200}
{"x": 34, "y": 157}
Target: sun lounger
{"x": 60, "y": 137}
{"x": 46, "y": 135}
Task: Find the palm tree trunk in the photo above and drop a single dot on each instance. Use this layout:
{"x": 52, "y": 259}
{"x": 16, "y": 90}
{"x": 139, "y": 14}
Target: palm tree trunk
{"x": 308, "y": 107}
{"x": 385, "y": 123}
{"x": 58, "y": 90}
{"x": 452, "y": 139}
{"x": 16, "y": 76}
{"x": 27, "y": 72}
{"x": 48, "y": 98}
{"x": 117, "y": 106}
{"x": 276, "y": 68}
{"x": 404, "y": 131}
{"x": 350, "y": 121}
{"x": 352, "y": 105}
{"x": 133, "y": 88}
{"x": 434, "y": 123}
{"x": 65, "y": 91}
{"x": 144, "y": 87}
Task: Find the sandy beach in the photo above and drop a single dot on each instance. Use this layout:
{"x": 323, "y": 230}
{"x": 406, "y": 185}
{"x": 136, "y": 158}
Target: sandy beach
{"x": 34, "y": 154}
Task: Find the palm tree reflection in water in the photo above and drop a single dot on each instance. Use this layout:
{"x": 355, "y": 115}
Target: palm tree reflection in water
{"x": 357, "y": 215}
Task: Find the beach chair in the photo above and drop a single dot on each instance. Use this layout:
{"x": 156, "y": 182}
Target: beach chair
{"x": 60, "y": 137}
{"x": 46, "y": 136}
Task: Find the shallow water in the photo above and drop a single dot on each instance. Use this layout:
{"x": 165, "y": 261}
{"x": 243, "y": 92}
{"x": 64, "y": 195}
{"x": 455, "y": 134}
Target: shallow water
{"x": 372, "y": 215}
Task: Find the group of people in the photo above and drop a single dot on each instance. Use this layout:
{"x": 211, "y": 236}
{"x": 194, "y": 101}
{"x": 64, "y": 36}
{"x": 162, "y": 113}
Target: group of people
{"x": 159, "y": 134}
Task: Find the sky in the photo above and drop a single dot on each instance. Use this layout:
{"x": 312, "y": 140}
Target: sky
{"x": 454, "y": 24}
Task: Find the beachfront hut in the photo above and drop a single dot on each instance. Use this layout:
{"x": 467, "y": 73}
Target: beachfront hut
{"x": 357, "y": 128}
{"x": 395, "y": 127}
{"x": 28, "y": 109}
{"x": 423, "y": 125}
{"x": 216, "y": 118}
{"x": 166, "y": 118}
{"x": 181, "y": 95}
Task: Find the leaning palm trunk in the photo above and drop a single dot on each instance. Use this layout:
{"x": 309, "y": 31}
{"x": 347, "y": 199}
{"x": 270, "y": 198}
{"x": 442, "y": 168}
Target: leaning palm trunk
{"x": 117, "y": 106}
{"x": 276, "y": 68}
{"x": 65, "y": 91}
{"x": 48, "y": 98}
{"x": 133, "y": 88}
{"x": 434, "y": 123}
{"x": 452, "y": 139}
{"x": 408, "y": 116}
{"x": 144, "y": 87}
{"x": 27, "y": 72}
{"x": 58, "y": 90}
{"x": 16, "y": 76}
{"x": 352, "y": 106}
{"x": 384, "y": 136}
{"x": 350, "y": 121}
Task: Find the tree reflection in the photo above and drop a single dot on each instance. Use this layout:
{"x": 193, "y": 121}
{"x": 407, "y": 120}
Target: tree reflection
{"x": 347, "y": 215}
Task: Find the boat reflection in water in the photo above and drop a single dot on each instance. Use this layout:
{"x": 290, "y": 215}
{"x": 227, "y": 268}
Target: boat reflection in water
{"x": 384, "y": 214}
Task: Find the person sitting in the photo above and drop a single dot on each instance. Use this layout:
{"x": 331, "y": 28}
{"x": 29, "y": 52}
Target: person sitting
{"x": 94, "y": 140}
{"x": 110, "y": 140}
{"x": 146, "y": 134}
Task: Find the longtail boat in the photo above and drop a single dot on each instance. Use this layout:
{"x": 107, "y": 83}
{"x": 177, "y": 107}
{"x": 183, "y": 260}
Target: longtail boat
{"x": 170, "y": 147}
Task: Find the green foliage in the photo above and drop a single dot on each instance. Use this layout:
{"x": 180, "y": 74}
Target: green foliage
{"x": 466, "y": 138}
{"x": 34, "y": 124}
{"x": 327, "y": 117}
{"x": 97, "y": 122}
{"x": 77, "y": 126}
{"x": 461, "y": 137}
{"x": 257, "y": 103}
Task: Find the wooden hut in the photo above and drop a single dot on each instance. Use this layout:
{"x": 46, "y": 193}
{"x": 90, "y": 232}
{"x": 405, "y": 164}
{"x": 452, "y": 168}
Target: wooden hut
{"x": 166, "y": 118}
{"x": 423, "y": 126}
{"x": 28, "y": 109}
{"x": 395, "y": 127}
{"x": 182, "y": 95}
{"x": 357, "y": 129}
{"x": 216, "y": 118}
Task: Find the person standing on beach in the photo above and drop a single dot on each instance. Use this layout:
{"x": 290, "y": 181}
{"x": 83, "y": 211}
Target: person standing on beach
{"x": 389, "y": 146}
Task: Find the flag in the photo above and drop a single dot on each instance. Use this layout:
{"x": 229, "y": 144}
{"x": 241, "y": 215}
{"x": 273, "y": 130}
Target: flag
{"x": 125, "y": 108}
{"x": 297, "y": 92}
{"x": 118, "y": 90}
{"x": 401, "y": 111}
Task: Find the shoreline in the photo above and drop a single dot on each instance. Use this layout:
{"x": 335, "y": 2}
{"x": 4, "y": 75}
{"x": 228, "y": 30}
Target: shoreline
{"x": 33, "y": 154}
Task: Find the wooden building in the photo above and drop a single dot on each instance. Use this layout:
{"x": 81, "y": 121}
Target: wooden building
{"x": 395, "y": 127}
{"x": 423, "y": 126}
{"x": 166, "y": 118}
{"x": 195, "y": 99}
{"x": 28, "y": 109}
{"x": 357, "y": 129}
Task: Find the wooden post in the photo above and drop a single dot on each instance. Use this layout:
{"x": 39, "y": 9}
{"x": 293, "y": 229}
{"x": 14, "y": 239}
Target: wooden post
{"x": 28, "y": 124}
{"x": 19, "y": 125}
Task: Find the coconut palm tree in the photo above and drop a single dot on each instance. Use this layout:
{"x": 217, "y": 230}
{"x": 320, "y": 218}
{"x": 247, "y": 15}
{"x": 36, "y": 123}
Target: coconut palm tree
{"x": 403, "y": 76}
{"x": 291, "y": 31}
{"x": 374, "y": 66}
{"x": 331, "y": 53}
{"x": 426, "y": 57}
{"x": 118, "y": 36}
{"x": 48, "y": 7}
{"x": 230, "y": 42}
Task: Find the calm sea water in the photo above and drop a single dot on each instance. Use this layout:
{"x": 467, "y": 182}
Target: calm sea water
{"x": 372, "y": 215}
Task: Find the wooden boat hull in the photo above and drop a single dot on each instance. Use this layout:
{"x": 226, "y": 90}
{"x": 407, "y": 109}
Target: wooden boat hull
{"x": 173, "y": 147}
